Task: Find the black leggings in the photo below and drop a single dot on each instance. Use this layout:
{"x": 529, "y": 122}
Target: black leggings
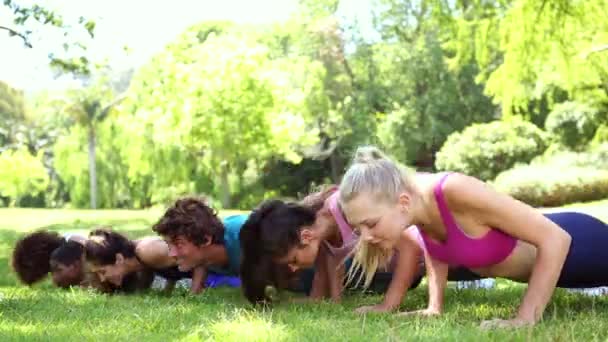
{"x": 587, "y": 262}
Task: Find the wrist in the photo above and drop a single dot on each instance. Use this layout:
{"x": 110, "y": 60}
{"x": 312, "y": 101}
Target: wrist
{"x": 526, "y": 317}
{"x": 388, "y": 306}
{"x": 434, "y": 309}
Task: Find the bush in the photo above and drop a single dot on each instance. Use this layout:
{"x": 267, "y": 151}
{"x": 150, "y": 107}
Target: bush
{"x": 595, "y": 157}
{"x": 23, "y": 178}
{"x": 559, "y": 178}
{"x": 601, "y": 135}
{"x": 485, "y": 150}
{"x": 548, "y": 186}
{"x": 573, "y": 124}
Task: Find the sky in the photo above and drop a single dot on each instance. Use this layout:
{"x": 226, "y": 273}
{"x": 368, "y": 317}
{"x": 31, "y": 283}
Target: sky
{"x": 144, "y": 26}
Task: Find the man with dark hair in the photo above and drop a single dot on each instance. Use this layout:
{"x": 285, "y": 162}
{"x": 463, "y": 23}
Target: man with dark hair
{"x": 197, "y": 237}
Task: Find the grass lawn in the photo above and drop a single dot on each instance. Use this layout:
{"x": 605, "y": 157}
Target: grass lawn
{"x": 46, "y": 313}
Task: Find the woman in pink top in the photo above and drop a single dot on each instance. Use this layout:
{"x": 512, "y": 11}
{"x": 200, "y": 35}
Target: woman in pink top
{"x": 463, "y": 222}
{"x": 310, "y": 234}
{"x": 315, "y": 234}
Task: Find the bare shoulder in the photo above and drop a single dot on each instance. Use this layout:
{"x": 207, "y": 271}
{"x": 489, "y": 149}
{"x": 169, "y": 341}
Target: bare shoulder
{"x": 152, "y": 251}
{"x": 150, "y": 242}
{"x": 462, "y": 191}
{"x": 409, "y": 240}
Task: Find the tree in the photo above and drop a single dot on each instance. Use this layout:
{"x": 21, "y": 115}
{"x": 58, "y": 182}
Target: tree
{"x": 418, "y": 99}
{"x": 529, "y": 50}
{"x": 12, "y": 115}
{"x": 88, "y": 109}
{"x": 221, "y": 100}
{"x": 21, "y": 175}
{"x": 340, "y": 115}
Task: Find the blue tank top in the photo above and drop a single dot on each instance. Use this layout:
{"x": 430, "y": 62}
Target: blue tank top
{"x": 232, "y": 228}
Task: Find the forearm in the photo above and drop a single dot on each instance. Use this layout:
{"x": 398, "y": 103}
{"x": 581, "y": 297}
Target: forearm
{"x": 320, "y": 283}
{"x": 199, "y": 274}
{"x": 437, "y": 279}
{"x": 394, "y": 296}
{"x": 336, "y": 273}
{"x": 543, "y": 279}
{"x": 402, "y": 279}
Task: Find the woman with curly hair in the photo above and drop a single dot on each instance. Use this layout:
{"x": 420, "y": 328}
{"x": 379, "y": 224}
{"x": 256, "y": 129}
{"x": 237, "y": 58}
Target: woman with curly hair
{"x": 43, "y": 252}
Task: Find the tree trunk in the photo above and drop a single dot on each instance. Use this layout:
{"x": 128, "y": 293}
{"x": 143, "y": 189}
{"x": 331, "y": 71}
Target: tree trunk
{"x": 334, "y": 165}
{"x": 225, "y": 186}
{"x": 92, "y": 167}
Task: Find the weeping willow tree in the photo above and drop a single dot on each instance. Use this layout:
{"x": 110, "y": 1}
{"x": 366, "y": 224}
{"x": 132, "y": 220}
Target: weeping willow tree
{"x": 530, "y": 49}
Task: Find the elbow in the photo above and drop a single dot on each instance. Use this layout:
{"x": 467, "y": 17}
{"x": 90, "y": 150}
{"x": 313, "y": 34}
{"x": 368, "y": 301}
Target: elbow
{"x": 564, "y": 240}
{"x": 559, "y": 243}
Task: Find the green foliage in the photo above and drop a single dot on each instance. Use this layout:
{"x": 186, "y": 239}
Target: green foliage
{"x": 559, "y": 178}
{"x": 601, "y": 135}
{"x": 420, "y": 99}
{"x": 573, "y": 124}
{"x": 550, "y": 186}
{"x": 22, "y": 176}
{"x": 595, "y": 156}
{"x": 242, "y": 112}
{"x": 12, "y": 114}
{"x": 295, "y": 180}
{"x": 236, "y": 105}
{"x": 546, "y": 186}
{"x": 528, "y": 49}
{"x": 485, "y": 150}
{"x": 71, "y": 165}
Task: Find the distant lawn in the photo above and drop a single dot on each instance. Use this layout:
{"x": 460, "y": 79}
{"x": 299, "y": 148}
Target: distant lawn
{"x": 44, "y": 313}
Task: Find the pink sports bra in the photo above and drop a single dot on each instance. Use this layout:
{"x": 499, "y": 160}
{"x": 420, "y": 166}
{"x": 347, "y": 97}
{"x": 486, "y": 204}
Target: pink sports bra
{"x": 461, "y": 250}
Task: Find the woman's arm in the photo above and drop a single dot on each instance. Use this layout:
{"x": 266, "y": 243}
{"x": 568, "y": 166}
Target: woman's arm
{"x": 406, "y": 270}
{"x": 502, "y": 212}
{"x": 320, "y": 281}
{"x": 335, "y": 274}
{"x": 437, "y": 277}
{"x": 154, "y": 253}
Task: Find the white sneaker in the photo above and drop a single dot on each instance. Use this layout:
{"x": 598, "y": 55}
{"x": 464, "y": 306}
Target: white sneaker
{"x": 486, "y": 283}
{"x": 158, "y": 283}
{"x": 591, "y": 291}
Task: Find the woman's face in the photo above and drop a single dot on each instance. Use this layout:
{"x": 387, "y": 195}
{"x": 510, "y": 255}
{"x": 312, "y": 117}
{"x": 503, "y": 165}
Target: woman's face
{"x": 66, "y": 275}
{"x": 112, "y": 273}
{"x": 301, "y": 257}
{"x": 305, "y": 254}
{"x": 379, "y": 222}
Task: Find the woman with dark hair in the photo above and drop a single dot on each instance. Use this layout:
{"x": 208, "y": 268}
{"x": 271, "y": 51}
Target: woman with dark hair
{"x": 114, "y": 258}
{"x": 315, "y": 234}
{"x": 301, "y": 236}
{"x": 43, "y": 252}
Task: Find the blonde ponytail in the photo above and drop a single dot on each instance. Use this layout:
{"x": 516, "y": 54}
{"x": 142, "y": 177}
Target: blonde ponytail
{"x": 374, "y": 173}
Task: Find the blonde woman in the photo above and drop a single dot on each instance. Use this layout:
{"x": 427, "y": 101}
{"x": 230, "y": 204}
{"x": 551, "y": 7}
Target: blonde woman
{"x": 464, "y": 222}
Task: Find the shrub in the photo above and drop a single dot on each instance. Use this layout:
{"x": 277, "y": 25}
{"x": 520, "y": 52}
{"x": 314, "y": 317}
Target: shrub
{"x": 22, "y": 177}
{"x": 560, "y": 178}
{"x": 485, "y": 150}
{"x": 548, "y": 186}
{"x": 573, "y": 124}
